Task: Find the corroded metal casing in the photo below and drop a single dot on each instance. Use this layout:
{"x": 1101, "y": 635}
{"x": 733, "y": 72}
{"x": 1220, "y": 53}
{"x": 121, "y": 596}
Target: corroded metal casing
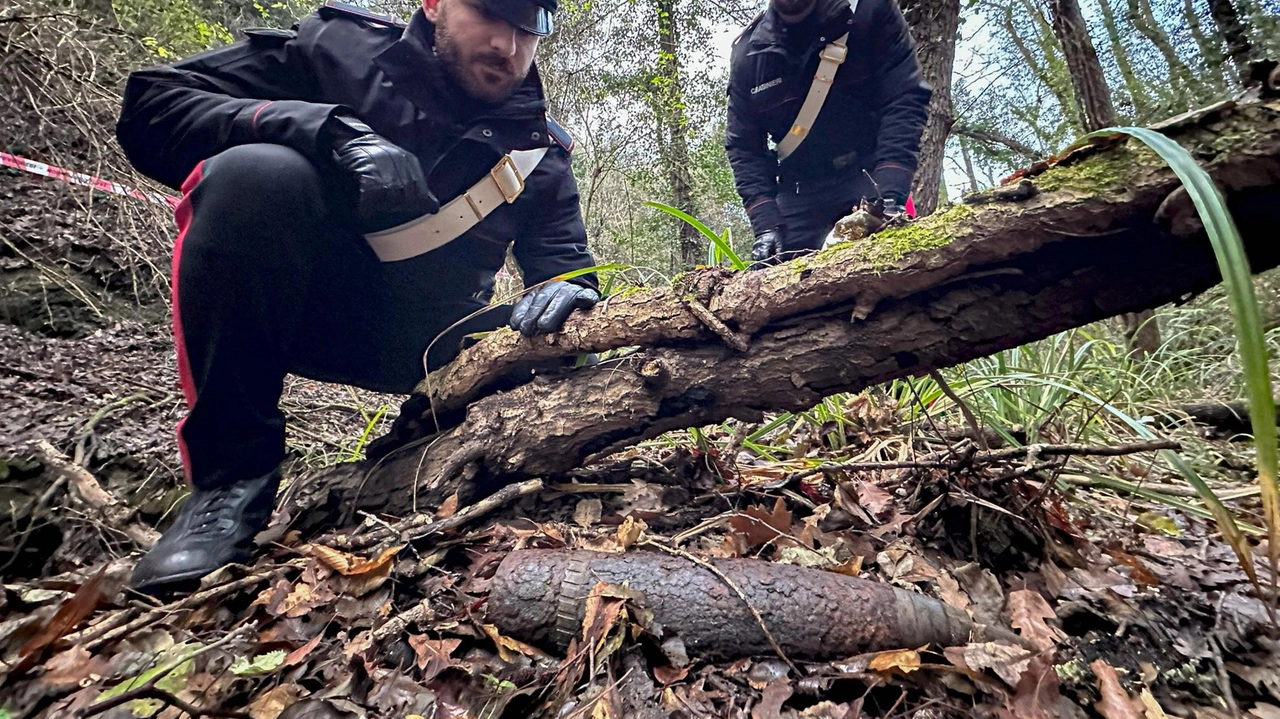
{"x": 538, "y": 595}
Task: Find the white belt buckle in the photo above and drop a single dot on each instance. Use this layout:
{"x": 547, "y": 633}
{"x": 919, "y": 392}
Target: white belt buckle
{"x": 506, "y": 181}
{"x": 837, "y": 53}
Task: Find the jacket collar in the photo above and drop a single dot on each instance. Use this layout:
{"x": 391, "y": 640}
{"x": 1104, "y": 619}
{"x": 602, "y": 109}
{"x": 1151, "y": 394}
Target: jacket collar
{"x": 412, "y": 66}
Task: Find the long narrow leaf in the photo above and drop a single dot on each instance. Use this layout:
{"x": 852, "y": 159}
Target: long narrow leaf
{"x": 1236, "y": 275}
{"x": 720, "y": 243}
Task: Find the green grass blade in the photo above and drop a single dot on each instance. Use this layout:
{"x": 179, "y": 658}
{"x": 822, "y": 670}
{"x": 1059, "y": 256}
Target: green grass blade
{"x": 1237, "y": 277}
{"x": 724, "y": 248}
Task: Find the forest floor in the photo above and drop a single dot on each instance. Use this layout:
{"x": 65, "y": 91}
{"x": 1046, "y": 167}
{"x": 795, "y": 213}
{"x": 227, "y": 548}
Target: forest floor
{"x": 1127, "y": 601}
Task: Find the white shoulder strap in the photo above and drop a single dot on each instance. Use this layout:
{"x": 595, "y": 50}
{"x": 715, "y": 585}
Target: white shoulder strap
{"x": 502, "y": 185}
{"x": 832, "y": 56}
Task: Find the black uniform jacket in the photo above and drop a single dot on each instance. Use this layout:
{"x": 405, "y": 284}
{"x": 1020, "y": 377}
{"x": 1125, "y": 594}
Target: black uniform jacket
{"x": 872, "y": 119}
{"x": 280, "y": 86}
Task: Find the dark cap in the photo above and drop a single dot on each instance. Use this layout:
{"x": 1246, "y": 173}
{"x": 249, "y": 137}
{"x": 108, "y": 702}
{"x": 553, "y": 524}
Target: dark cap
{"x": 533, "y": 16}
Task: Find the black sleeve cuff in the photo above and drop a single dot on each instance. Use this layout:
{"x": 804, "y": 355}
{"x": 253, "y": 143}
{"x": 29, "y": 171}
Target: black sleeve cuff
{"x": 764, "y": 214}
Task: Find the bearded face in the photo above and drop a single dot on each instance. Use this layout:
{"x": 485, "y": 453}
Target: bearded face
{"x": 485, "y": 55}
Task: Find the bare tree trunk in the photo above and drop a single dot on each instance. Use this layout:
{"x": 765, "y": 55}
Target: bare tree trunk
{"x": 1041, "y": 70}
{"x": 1139, "y": 98}
{"x": 934, "y": 24}
{"x": 671, "y": 114}
{"x": 1087, "y": 79}
{"x": 1184, "y": 83}
{"x": 1236, "y": 34}
{"x": 1094, "y": 99}
{"x": 1210, "y": 47}
{"x": 968, "y": 164}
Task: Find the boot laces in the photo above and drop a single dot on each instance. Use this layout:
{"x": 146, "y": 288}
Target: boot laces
{"x": 215, "y": 510}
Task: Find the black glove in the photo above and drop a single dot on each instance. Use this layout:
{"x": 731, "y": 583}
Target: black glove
{"x": 891, "y": 209}
{"x": 545, "y": 309}
{"x": 390, "y": 188}
{"x": 766, "y": 248}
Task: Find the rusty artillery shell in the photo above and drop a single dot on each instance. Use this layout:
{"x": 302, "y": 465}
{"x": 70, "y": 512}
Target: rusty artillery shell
{"x": 538, "y": 595}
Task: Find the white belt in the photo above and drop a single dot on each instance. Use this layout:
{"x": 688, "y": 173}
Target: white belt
{"x": 502, "y": 185}
{"x": 833, "y": 56}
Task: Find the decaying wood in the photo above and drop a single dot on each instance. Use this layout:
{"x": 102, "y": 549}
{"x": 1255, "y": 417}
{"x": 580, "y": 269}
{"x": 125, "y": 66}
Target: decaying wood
{"x": 962, "y": 284}
{"x": 113, "y": 513}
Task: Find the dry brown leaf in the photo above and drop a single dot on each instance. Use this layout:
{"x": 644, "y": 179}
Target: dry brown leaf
{"x": 759, "y": 526}
{"x": 448, "y": 507}
{"x": 433, "y": 654}
{"x": 271, "y": 703}
{"x": 851, "y": 568}
{"x": 629, "y": 532}
{"x": 670, "y": 675}
{"x": 300, "y": 601}
{"x": 587, "y": 512}
{"x": 1260, "y": 710}
{"x": 359, "y": 645}
{"x": 907, "y": 660}
{"x": 1115, "y": 702}
{"x": 68, "y": 670}
{"x": 1028, "y": 612}
{"x": 1036, "y": 696}
{"x": 986, "y": 596}
{"x": 876, "y": 501}
{"x": 771, "y": 699}
{"x": 297, "y": 655}
{"x": 604, "y": 608}
{"x": 72, "y": 612}
{"x": 1009, "y": 662}
{"x": 350, "y": 564}
{"x": 508, "y": 648}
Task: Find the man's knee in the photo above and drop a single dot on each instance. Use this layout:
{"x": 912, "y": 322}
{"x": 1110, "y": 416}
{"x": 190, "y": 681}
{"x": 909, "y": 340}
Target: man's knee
{"x": 258, "y": 182}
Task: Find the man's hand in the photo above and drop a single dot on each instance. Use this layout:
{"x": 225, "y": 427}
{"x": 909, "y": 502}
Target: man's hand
{"x": 545, "y": 309}
{"x": 891, "y": 210}
{"x": 766, "y": 248}
{"x": 389, "y": 185}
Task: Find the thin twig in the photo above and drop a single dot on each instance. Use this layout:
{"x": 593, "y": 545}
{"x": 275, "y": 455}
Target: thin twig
{"x": 153, "y": 615}
{"x": 1040, "y": 450}
{"x": 736, "y": 340}
{"x": 736, "y": 590}
{"x": 969, "y": 418}
{"x": 112, "y": 511}
{"x": 414, "y": 528}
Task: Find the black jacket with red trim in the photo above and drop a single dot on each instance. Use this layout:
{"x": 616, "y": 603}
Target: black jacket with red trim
{"x": 282, "y": 87}
{"x": 872, "y": 119}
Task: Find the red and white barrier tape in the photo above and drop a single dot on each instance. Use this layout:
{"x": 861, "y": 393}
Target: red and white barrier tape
{"x": 79, "y": 178}
{"x": 97, "y": 183}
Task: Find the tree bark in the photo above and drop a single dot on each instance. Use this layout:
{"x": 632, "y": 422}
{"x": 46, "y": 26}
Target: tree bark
{"x": 1073, "y": 245}
{"x": 670, "y": 109}
{"x": 934, "y": 24}
{"x": 1186, "y": 88}
{"x": 1087, "y": 79}
{"x": 968, "y": 165}
{"x": 1042, "y": 70}
{"x": 1235, "y": 32}
{"x": 1139, "y": 98}
{"x": 1210, "y": 47}
{"x": 997, "y": 138}
{"x": 1093, "y": 97}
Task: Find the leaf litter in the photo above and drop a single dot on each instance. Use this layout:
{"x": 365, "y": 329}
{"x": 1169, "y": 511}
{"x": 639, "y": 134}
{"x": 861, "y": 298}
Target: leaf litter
{"x": 1117, "y": 618}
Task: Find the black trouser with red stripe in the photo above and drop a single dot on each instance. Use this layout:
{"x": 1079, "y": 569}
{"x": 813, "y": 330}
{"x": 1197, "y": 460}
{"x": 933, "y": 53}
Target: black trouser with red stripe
{"x": 266, "y": 281}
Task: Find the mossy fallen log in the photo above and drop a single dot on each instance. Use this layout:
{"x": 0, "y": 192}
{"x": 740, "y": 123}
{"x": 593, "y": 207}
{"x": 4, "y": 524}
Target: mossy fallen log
{"x": 1075, "y": 243}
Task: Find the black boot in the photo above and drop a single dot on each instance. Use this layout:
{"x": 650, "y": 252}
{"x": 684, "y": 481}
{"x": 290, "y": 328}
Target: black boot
{"x": 214, "y": 528}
